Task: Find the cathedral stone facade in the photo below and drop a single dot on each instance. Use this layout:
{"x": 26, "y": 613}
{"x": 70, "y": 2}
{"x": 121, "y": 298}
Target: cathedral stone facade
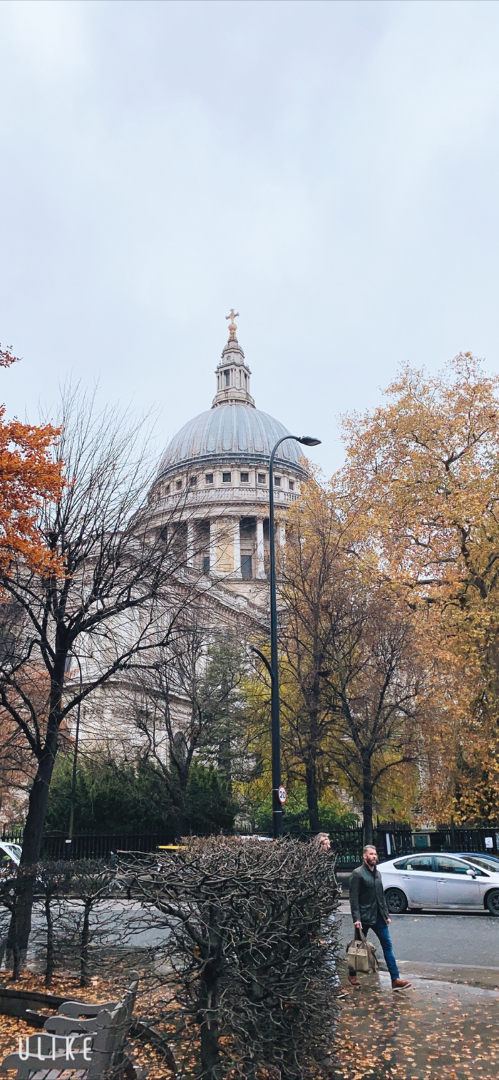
{"x": 212, "y": 490}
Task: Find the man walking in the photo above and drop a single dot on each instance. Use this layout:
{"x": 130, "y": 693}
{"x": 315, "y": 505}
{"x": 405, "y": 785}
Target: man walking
{"x": 369, "y": 912}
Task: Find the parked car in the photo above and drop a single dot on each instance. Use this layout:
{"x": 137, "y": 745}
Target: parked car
{"x": 439, "y": 881}
{"x": 10, "y": 857}
{"x": 13, "y": 851}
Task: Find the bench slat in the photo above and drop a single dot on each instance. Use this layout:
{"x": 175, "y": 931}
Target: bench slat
{"x": 107, "y": 1027}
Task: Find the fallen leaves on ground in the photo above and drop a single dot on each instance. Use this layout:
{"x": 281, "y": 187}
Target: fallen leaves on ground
{"x": 435, "y": 1031}
{"x": 97, "y": 990}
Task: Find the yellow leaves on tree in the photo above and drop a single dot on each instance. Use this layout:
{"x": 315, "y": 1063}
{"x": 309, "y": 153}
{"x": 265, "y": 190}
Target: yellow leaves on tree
{"x": 422, "y": 472}
{"x": 426, "y": 469}
{"x": 28, "y": 476}
{"x": 352, "y": 690}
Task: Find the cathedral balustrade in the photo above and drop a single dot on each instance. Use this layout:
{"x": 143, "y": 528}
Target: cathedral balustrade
{"x": 227, "y": 495}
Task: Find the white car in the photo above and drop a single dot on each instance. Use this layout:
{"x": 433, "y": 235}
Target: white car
{"x": 438, "y": 881}
{"x": 9, "y": 851}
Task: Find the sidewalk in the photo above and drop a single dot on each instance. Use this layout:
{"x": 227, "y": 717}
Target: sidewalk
{"x": 446, "y": 1027}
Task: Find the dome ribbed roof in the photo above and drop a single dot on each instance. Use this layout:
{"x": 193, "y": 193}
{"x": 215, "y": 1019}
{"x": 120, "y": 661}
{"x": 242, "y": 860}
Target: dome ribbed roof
{"x": 228, "y": 432}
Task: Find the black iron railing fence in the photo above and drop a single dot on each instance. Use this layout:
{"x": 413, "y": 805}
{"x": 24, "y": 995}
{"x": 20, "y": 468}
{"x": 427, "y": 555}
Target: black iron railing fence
{"x": 93, "y": 845}
{"x": 390, "y": 838}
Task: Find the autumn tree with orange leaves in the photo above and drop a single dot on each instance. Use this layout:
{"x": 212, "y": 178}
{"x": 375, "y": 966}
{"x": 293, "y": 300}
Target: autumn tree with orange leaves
{"x": 28, "y": 476}
{"x": 422, "y": 474}
{"x": 114, "y": 593}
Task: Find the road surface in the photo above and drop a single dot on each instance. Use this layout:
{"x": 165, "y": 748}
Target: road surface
{"x": 447, "y": 940}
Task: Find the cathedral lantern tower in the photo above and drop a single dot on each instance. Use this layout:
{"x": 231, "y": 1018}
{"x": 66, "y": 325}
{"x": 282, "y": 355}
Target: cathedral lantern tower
{"x": 233, "y": 374}
{"x": 214, "y": 476}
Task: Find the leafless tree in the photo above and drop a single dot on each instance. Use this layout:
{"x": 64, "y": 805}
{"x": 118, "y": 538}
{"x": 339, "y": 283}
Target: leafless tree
{"x": 17, "y": 765}
{"x": 307, "y": 576}
{"x": 53, "y": 881}
{"x": 375, "y": 690}
{"x": 120, "y": 595}
{"x": 353, "y": 693}
{"x": 91, "y": 882}
{"x": 202, "y": 671}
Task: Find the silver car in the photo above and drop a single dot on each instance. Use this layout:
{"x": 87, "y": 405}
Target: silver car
{"x": 10, "y": 857}
{"x": 11, "y": 851}
{"x": 438, "y": 881}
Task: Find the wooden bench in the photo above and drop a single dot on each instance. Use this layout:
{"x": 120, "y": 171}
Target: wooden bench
{"x": 86, "y": 1040}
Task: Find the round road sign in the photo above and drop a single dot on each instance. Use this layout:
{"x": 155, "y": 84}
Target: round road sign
{"x": 282, "y": 794}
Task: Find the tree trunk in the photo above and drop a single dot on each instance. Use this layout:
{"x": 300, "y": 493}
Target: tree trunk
{"x": 313, "y": 744}
{"x": 178, "y": 792}
{"x": 85, "y": 939}
{"x": 224, "y": 761}
{"x": 209, "y": 1005}
{"x": 367, "y": 799}
{"x": 209, "y": 998}
{"x": 179, "y": 816}
{"x": 210, "y": 1053}
{"x": 312, "y": 795}
{"x": 49, "y": 969}
{"x": 20, "y": 924}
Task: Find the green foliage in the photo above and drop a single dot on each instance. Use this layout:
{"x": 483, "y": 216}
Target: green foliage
{"x": 208, "y": 806}
{"x": 222, "y": 704}
{"x": 296, "y": 818}
{"x": 117, "y": 797}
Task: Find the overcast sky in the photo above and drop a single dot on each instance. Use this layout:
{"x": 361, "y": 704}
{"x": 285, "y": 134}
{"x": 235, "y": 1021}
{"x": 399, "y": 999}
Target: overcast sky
{"x": 327, "y": 168}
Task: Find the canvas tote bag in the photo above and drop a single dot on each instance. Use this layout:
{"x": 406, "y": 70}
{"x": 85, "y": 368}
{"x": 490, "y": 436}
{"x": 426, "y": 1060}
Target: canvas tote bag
{"x": 361, "y": 955}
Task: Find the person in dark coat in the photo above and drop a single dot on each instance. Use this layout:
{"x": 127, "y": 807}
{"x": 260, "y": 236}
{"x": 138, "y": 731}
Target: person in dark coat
{"x": 369, "y": 912}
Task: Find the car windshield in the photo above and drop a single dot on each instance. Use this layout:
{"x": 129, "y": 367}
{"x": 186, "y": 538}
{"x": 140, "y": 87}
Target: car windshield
{"x": 486, "y": 864}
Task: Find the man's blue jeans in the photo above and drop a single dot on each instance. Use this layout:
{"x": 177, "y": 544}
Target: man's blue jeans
{"x": 383, "y": 933}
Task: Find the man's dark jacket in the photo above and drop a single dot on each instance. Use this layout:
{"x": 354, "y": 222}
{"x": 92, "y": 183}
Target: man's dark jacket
{"x": 367, "y": 896}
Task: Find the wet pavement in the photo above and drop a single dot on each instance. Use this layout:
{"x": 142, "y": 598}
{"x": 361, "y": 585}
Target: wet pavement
{"x": 446, "y": 1026}
{"x": 437, "y": 1030}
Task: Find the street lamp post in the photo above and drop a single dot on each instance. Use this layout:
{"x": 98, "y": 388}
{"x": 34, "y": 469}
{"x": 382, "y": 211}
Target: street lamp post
{"x": 274, "y": 668}
{"x": 75, "y": 757}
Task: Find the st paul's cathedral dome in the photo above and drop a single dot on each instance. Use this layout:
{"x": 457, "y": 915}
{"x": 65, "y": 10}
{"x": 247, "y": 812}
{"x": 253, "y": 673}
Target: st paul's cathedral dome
{"x": 214, "y": 478}
{"x": 233, "y": 427}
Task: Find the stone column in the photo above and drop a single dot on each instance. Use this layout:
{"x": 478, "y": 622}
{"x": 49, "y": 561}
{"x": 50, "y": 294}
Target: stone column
{"x": 260, "y": 551}
{"x": 190, "y": 543}
{"x": 213, "y": 547}
{"x": 237, "y": 548}
{"x": 281, "y": 534}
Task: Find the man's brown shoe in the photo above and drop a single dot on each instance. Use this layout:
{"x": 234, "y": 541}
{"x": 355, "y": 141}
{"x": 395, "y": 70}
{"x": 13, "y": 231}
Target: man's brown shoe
{"x": 354, "y": 981}
{"x": 400, "y": 984}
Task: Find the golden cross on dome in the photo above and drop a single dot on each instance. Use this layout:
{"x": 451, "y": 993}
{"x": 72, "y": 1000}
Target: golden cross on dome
{"x": 233, "y": 315}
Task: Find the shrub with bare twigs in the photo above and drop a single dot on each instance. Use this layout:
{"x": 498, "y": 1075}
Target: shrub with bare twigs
{"x": 248, "y": 960}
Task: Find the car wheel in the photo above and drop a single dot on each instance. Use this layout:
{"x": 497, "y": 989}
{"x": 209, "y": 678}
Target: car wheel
{"x": 493, "y": 902}
{"x": 396, "y": 901}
